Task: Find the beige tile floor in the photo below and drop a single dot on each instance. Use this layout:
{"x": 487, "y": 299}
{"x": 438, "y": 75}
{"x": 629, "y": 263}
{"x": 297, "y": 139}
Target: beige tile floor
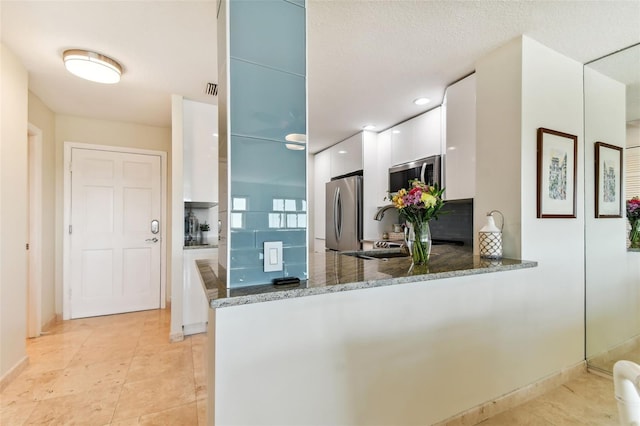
{"x": 586, "y": 400}
{"x": 122, "y": 370}
{"x": 118, "y": 369}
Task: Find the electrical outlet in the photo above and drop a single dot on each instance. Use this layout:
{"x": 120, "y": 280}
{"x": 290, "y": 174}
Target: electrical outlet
{"x": 272, "y": 256}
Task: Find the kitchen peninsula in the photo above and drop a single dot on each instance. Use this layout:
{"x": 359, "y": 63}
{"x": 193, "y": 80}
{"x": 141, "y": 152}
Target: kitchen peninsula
{"x": 372, "y": 355}
{"x": 341, "y": 271}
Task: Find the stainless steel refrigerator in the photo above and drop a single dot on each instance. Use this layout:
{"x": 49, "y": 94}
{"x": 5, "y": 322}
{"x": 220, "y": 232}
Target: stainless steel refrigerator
{"x": 343, "y": 229}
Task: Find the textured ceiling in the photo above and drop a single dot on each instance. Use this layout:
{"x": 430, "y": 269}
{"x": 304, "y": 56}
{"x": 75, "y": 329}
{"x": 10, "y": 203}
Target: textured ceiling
{"x": 367, "y": 60}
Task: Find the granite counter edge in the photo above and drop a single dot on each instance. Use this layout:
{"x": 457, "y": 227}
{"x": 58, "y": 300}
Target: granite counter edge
{"x": 212, "y": 284}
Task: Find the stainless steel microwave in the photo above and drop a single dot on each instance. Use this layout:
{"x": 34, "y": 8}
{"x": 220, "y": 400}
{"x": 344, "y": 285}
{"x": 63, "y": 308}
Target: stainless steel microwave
{"x": 425, "y": 169}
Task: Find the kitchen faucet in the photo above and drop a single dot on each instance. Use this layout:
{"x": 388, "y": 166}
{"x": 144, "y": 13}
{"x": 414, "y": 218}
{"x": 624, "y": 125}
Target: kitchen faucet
{"x": 380, "y": 213}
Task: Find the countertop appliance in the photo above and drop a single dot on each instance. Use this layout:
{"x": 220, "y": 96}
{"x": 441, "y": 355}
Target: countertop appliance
{"x": 344, "y": 214}
{"x": 425, "y": 169}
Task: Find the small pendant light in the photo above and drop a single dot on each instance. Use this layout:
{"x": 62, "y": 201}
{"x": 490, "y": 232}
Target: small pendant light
{"x": 490, "y": 238}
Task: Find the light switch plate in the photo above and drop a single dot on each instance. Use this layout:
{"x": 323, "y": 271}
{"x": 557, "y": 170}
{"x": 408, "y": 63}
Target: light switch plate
{"x": 272, "y": 256}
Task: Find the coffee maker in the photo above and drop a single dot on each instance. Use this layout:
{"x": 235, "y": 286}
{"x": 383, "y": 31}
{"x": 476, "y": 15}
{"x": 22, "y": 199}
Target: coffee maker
{"x": 191, "y": 229}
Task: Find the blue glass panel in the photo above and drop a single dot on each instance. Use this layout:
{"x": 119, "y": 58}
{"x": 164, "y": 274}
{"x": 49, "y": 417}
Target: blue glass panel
{"x": 243, "y": 239}
{"x": 263, "y": 170}
{"x": 298, "y": 2}
{"x": 288, "y": 237}
{"x": 254, "y": 276}
{"x": 246, "y": 258}
{"x": 270, "y": 33}
{"x": 266, "y": 103}
{"x": 293, "y": 255}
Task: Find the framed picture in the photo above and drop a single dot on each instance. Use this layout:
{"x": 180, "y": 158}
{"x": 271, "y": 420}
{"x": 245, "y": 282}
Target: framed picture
{"x": 557, "y": 153}
{"x": 608, "y": 159}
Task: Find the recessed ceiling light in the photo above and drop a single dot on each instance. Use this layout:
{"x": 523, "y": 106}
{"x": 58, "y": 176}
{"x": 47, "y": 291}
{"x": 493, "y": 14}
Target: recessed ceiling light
{"x": 294, "y": 147}
{"x": 92, "y": 66}
{"x": 342, "y": 151}
{"x": 215, "y": 135}
{"x": 421, "y": 101}
{"x": 395, "y": 131}
{"x": 369, "y": 127}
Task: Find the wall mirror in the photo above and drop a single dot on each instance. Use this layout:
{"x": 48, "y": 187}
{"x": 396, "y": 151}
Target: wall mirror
{"x": 612, "y": 270}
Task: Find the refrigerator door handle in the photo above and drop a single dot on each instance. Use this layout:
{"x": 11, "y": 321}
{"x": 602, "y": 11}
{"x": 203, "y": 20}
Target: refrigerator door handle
{"x": 337, "y": 214}
{"x": 339, "y": 217}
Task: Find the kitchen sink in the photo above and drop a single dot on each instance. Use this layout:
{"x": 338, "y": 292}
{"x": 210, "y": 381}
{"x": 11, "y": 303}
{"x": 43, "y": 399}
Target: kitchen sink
{"x": 375, "y": 254}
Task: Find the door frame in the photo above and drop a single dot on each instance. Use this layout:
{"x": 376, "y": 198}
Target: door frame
{"x": 66, "y": 240}
{"x": 34, "y": 309}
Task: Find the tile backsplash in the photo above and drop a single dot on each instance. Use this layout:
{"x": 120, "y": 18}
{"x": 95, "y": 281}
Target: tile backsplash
{"x": 456, "y": 222}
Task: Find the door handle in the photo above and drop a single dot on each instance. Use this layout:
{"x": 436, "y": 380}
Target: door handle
{"x": 336, "y": 195}
{"x": 422, "y": 173}
{"x": 152, "y": 240}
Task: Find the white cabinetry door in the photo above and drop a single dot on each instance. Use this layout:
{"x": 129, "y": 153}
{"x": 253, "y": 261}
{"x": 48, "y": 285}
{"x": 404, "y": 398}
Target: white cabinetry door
{"x": 427, "y": 134}
{"x": 346, "y": 156}
{"x": 377, "y": 160}
{"x": 200, "y": 144}
{"x": 194, "y": 299}
{"x": 322, "y": 175}
{"x": 373, "y": 184}
{"x": 460, "y": 142}
{"x": 402, "y": 143}
{"x": 417, "y": 138}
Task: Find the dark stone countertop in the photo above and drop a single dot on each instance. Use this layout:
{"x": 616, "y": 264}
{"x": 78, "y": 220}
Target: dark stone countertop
{"x": 332, "y": 271}
{"x": 200, "y": 246}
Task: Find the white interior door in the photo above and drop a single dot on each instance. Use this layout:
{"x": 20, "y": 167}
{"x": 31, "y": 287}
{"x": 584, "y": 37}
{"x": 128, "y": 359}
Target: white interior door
{"x": 115, "y": 255}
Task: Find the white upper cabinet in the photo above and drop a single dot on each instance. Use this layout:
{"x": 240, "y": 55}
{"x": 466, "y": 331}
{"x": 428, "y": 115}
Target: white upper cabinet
{"x": 427, "y": 134}
{"x": 402, "y": 142}
{"x": 346, "y": 156}
{"x": 460, "y": 139}
{"x": 200, "y": 144}
{"x": 417, "y": 138}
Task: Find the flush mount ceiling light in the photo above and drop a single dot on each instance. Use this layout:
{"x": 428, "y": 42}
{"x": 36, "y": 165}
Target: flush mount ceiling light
{"x": 92, "y": 66}
{"x": 421, "y": 101}
{"x": 299, "y": 139}
{"x": 296, "y": 137}
{"x": 294, "y": 146}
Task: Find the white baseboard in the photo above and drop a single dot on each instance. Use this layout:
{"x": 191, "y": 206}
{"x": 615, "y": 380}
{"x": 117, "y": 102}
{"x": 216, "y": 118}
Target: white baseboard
{"x": 176, "y": 337}
{"x": 52, "y": 321}
{"x": 512, "y": 399}
{"x": 14, "y": 372}
{"x": 194, "y": 328}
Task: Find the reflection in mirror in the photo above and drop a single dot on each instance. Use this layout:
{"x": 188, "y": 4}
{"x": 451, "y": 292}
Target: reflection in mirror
{"x": 612, "y": 270}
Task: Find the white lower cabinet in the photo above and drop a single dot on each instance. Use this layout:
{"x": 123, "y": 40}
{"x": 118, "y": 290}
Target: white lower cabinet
{"x": 195, "y": 305}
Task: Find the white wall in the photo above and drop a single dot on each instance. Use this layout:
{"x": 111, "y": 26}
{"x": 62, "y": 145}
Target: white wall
{"x": 612, "y": 273}
{"x": 523, "y": 86}
{"x": 177, "y": 211}
{"x": 43, "y": 118}
{"x": 405, "y": 354}
{"x": 498, "y": 149}
{"x": 13, "y": 211}
{"x": 552, "y": 94}
{"x": 104, "y": 132}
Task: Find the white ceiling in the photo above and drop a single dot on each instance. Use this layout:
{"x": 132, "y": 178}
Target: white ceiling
{"x": 367, "y": 60}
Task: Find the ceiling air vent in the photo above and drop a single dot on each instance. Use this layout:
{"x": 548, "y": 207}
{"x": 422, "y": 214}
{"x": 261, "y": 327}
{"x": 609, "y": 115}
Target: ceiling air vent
{"x": 212, "y": 89}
